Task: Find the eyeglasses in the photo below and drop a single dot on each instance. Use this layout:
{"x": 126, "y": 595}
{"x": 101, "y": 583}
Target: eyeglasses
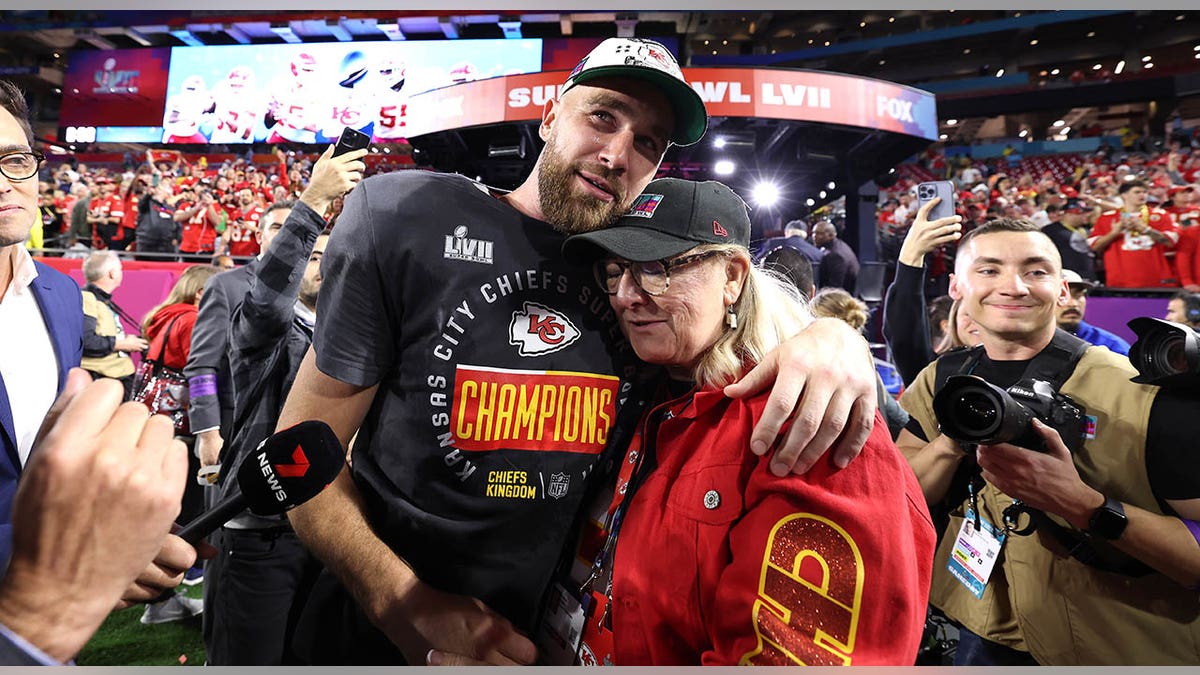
{"x": 18, "y": 166}
{"x": 653, "y": 277}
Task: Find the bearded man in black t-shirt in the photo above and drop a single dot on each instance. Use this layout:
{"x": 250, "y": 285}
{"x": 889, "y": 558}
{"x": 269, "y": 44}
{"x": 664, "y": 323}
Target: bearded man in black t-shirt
{"x": 484, "y": 377}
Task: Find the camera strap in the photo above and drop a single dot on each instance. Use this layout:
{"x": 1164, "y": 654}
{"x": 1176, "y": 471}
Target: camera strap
{"x": 1054, "y": 364}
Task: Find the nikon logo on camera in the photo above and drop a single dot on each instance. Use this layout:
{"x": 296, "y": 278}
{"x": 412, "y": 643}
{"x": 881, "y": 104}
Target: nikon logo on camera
{"x": 1017, "y": 390}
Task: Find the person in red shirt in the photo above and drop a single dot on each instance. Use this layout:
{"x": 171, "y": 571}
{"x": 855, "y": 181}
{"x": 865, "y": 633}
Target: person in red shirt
{"x": 1134, "y": 241}
{"x": 700, "y": 555}
{"x": 201, "y": 218}
{"x": 105, "y": 213}
{"x": 1185, "y": 205}
{"x": 1186, "y": 210}
{"x": 126, "y": 233}
{"x": 241, "y": 236}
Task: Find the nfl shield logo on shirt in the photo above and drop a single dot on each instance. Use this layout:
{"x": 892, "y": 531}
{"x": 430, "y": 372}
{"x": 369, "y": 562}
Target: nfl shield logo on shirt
{"x": 559, "y": 482}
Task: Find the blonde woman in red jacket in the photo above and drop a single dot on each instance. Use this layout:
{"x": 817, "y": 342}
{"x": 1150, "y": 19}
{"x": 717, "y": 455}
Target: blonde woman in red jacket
{"x": 177, "y": 312}
{"x": 700, "y": 554}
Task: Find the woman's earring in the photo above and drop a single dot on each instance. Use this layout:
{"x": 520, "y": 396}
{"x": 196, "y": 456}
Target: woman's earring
{"x": 730, "y": 318}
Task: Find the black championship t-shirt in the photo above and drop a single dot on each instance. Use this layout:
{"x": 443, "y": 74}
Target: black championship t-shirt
{"x": 497, "y": 366}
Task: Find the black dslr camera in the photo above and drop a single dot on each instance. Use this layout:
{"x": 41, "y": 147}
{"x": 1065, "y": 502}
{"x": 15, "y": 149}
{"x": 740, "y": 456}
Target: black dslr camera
{"x": 971, "y": 410}
{"x": 1166, "y": 353}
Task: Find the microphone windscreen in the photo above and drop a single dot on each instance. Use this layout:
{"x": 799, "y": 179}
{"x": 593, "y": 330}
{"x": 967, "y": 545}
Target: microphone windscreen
{"x": 290, "y": 467}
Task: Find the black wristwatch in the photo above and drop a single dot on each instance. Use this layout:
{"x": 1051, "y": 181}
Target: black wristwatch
{"x": 1108, "y": 522}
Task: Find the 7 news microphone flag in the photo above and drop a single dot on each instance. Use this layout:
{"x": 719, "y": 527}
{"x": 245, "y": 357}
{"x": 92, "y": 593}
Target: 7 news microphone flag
{"x": 287, "y": 469}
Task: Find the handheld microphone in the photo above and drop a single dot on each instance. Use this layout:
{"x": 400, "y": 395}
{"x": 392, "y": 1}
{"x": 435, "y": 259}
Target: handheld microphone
{"x": 287, "y": 469}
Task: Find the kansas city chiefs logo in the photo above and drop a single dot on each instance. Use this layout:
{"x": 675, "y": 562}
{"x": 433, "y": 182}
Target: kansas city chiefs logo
{"x": 537, "y": 330}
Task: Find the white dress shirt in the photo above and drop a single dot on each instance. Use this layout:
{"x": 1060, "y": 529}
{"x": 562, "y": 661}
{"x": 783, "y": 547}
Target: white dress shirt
{"x": 27, "y": 359}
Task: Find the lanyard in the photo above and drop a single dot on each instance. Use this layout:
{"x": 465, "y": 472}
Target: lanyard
{"x": 635, "y": 457}
{"x": 634, "y": 471}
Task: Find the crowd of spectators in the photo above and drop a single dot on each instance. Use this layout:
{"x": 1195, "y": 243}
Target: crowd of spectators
{"x": 168, "y": 206}
{"x": 1076, "y": 199}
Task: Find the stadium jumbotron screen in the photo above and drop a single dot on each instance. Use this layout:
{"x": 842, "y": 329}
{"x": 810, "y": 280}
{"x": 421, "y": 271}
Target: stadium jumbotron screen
{"x": 303, "y": 93}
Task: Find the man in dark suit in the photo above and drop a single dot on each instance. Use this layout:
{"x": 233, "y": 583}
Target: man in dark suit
{"x": 210, "y": 383}
{"x": 839, "y": 267}
{"x": 795, "y": 236}
{"x": 210, "y": 409}
{"x": 41, "y": 310}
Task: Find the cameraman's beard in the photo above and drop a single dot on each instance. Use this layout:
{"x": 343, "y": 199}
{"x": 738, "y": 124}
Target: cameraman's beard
{"x": 309, "y": 289}
{"x": 566, "y": 208}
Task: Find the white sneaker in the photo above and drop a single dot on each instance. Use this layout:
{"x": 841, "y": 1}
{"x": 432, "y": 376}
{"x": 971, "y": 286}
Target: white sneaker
{"x": 175, "y": 608}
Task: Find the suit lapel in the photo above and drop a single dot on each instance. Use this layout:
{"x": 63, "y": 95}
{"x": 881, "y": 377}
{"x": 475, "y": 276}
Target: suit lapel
{"x": 8, "y": 431}
{"x": 54, "y": 313}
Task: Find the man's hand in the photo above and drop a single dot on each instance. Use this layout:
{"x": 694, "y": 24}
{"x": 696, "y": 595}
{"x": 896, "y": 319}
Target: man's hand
{"x": 333, "y": 177}
{"x": 428, "y": 619}
{"x": 97, "y": 498}
{"x": 208, "y": 447}
{"x": 1044, "y": 480}
{"x": 131, "y": 343}
{"x": 824, "y": 381}
{"x": 924, "y": 236}
{"x": 1192, "y": 288}
{"x": 165, "y": 571}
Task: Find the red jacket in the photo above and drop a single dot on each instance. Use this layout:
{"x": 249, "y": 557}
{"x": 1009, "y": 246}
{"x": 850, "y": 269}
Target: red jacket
{"x": 1187, "y": 257}
{"x": 718, "y": 561}
{"x": 179, "y": 342}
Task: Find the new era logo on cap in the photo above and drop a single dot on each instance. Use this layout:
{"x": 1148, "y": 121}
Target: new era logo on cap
{"x": 719, "y": 231}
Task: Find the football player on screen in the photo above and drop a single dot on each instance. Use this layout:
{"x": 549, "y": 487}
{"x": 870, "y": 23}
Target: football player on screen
{"x": 186, "y": 111}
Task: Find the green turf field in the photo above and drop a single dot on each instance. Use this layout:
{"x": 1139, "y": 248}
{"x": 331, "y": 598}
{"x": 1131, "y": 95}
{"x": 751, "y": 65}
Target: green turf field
{"x": 123, "y": 641}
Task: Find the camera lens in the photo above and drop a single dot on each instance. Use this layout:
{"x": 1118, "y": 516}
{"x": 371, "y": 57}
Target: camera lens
{"x": 1171, "y": 357}
{"x": 975, "y": 412}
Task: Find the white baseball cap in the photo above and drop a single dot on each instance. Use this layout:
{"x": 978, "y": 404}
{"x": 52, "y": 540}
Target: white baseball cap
{"x": 650, "y": 61}
{"x": 1073, "y": 279}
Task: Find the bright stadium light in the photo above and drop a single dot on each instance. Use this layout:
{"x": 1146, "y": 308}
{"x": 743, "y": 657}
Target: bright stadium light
{"x": 723, "y": 167}
{"x": 766, "y": 194}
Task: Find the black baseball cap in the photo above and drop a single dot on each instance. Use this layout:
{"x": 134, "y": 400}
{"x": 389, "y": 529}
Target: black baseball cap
{"x": 671, "y": 217}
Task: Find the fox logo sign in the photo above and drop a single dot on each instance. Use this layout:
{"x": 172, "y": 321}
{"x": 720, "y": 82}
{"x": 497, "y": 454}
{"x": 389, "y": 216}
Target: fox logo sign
{"x": 537, "y": 330}
{"x": 895, "y": 108}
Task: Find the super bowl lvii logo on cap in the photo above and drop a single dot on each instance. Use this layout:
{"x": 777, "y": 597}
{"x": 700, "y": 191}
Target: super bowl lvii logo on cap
{"x": 644, "y": 206}
{"x": 578, "y": 67}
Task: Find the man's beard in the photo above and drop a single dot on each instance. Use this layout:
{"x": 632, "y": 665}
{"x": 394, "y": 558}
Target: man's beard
{"x": 569, "y": 211}
{"x": 308, "y": 292}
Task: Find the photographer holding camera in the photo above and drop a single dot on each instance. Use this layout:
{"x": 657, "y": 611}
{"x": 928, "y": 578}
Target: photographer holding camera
{"x": 1094, "y": 564}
